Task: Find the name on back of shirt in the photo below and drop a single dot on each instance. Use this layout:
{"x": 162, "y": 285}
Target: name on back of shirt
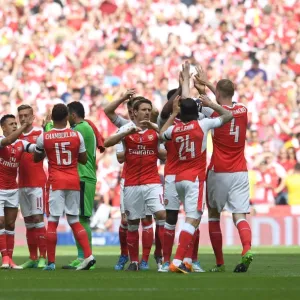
{"x": 184, "y": 128}
{"x": 59, "y": 135}
{"x": 239, "y": 111}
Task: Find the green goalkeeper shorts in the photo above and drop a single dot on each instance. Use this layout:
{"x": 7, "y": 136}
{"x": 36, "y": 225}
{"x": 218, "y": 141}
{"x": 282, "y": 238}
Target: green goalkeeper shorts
{"x": 87, "y": 195}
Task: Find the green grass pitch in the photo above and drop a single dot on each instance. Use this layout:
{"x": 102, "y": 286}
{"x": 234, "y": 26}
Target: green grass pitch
{"x": 274, "y": 274}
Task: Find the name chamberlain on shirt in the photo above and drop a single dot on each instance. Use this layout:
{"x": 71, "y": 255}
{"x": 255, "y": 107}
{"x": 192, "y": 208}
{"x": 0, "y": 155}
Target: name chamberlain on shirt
{"x": 59, "y": 135}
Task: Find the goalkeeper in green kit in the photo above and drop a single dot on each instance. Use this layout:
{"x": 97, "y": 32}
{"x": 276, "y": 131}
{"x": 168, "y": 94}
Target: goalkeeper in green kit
{"x": 87, "y": 174}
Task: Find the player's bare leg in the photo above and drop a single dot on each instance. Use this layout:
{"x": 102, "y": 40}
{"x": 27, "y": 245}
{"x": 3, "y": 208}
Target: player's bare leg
{"x": 133, "y": 244}
{"x": 160, "y": 219}
{"x": 169, "y": 235}
{"x": 244, "y": 230}
{"x": 123, "y": 229}
{"x": 185, "y": 242}
{"x": 215, "y": 235}
{"x": 10, "y": 221}
{"x": 147, "y": 241}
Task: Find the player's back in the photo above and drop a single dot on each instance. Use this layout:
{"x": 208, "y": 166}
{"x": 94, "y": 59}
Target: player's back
{"x": 190, "y": 143}
{"x": 31, "y": 174}
{"x": 62, "y": 149}
{"x": 229, "y": 142}
{"x": 88, "y": 171}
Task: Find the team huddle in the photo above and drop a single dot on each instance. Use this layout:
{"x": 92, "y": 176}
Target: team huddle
{"x": 178, "y": 136}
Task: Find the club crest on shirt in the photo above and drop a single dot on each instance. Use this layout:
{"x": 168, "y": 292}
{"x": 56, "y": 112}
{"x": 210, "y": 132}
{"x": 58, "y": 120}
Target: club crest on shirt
{"x": 19, "y": 148}
{"x": 127, "y": 212}
{"x": 150, "y": 137}
{"x": 166, "y": 201}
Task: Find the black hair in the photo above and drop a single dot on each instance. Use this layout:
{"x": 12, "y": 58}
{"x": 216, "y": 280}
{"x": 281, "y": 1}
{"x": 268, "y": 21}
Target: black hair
{"x": 59, "y": 112}
{"x": 77, "y": 108}
{"x": 137, "y": 104}
{"x": 5, "y": 117}
{"x": 188, "y": 110}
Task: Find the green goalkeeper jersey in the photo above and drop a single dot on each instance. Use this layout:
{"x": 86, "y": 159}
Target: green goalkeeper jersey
{"x": 87, "y": 172}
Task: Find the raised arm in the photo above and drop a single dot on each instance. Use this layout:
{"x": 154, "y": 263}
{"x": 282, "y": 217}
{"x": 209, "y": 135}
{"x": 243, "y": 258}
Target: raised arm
{"x": 200, "y": 79}
{"x": 117, "y": 137}
{"x": 186, "y": 80}
{"x": 111, "y": 107}
{"x": 8, "y": 140}
{"x": 170, "y": 121}
{"x": 224, "y": 115}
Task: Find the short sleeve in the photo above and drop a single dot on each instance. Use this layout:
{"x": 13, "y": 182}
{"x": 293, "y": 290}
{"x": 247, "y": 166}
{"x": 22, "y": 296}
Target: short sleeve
{"x": 40, "y": 144}
{"x": 82, "y": 145}
{"x": 119, "y": 147}
{"x": 206, "y": 111}
{"x": 120, "y": 121}
{"x": 28, "y": 147}
{"x": 167, "y": 135}
{"x": 207, "y": 124}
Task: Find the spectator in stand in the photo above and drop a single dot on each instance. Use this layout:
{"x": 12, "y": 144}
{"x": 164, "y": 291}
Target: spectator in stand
{"x": 256, "y": 71}
{"x": 291, "y": 182}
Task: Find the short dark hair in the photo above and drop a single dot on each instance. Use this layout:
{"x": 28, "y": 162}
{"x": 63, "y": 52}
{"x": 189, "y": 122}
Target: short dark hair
{"x": 137, "y": 104}
{"x": 226, "y": 88}
{"x": 5, "y": 117}
{"x": 24, "y": 106}
{"x": 188, "y": 110}
{"x": 59, "y": 112}
{"x": 77, "y": 108}
{"x": 131, "y": 101}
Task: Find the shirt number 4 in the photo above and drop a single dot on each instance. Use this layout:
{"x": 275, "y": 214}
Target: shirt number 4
{"x": 234, "y": 130}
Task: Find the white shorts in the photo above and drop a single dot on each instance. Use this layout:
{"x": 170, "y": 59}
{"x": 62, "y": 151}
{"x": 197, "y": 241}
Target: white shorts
{"x": 171, "y": 198}
{"x": 31, "y": 201}
{"x": 147, "y": 210}
{"x": 229, "y": 191}
{"x": 8, "y": 198}
{"x": 136, "y": 198}
{"x": 61, "y": 201}
{"x": 192, "y": 195}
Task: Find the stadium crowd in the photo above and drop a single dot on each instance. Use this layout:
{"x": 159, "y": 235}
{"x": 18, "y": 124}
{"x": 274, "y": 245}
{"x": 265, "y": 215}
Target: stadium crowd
{"x": 92, "y": 51}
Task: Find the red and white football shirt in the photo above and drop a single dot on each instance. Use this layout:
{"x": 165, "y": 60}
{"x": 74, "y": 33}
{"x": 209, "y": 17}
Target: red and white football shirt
{"x": 190, "y": 142}
{"x": 10, "y": 157}
{"x": 229, "y": 141}
{"x": 31, "y": 174}
{"x": 62, "y": 147}
{"x": 141, "y": 154}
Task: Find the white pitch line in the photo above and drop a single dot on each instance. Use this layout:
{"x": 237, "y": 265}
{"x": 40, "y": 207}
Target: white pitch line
{"x": 116, "y": 290}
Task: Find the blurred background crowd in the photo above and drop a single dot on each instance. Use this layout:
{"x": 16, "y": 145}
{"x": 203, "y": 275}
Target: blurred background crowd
{"x": 93, "y": 50}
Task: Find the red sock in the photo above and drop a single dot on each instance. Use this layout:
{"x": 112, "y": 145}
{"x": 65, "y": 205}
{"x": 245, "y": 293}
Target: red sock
{"x": 3, "y": 248}
{"x": 10, "y": 242}
{"x": 81, "y": 236}
{"x": 133, "y": 245}
{"x": 196, "y": 245}
{"x": 190, "y": 251}
{"x": 215, "y": 235}
{"x": 51, "y": 238}
{"x": 169, "y": 235}
{"x": 123, "y": 239}
{"x": 32, "y": 243}
{"x": 185, "y": 241}
{"x": 245, "y": 235}
{"x": 147, "y": 239}
{"x": 41, "y": 240}
{"x": 158, "y": 245}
